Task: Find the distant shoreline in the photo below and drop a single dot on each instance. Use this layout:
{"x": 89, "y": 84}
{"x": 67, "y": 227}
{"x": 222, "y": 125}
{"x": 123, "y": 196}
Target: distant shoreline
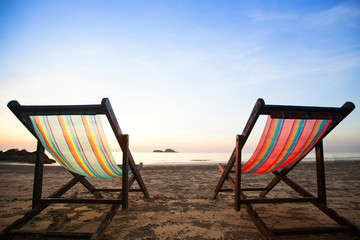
{"x": 194, "y": 163}
{"x": 193, "y": 158}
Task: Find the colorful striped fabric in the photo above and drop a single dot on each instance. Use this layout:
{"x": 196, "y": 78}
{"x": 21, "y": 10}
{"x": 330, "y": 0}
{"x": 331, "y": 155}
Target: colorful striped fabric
{"x": 78, "y": 143}
{"x": 284, "y": 141}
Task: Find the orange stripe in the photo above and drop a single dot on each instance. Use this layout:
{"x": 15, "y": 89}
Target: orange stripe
{"x": 96, "y": 150}
{"x": 41, "y": 128}
{"x": 72, "y": 148}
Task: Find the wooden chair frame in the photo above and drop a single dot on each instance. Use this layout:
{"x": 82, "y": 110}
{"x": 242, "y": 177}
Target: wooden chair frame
{"x": 281, "y": 175}
{"x": 39, "y": 203}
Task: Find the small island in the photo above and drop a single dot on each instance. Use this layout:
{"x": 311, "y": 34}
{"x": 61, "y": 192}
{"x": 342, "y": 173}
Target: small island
{"x": 169, "y": 150}
{"x": 22, "y": 156}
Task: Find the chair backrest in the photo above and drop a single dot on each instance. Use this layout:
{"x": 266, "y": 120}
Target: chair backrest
{"x": 74, "y": 136}
{"x": 78, "y": 143}
{"x": 290, "y": 133}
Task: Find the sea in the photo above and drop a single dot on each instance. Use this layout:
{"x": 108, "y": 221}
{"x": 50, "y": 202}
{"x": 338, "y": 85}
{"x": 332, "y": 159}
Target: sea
{"x": 200, "y": 158}
{"x": 203, "y": 158}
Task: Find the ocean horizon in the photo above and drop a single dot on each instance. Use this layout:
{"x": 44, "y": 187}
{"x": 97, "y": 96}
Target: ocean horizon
{"x": 206, "y": 158}
{"x": 199, "y": 158}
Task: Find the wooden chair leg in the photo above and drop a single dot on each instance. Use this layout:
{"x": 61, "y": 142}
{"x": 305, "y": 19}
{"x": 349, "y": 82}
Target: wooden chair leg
{"x": 320, "y": 170}
{"x": 125, "y": 171}
{"x": 38, "y": 174}
{"x": 239, "y": 143}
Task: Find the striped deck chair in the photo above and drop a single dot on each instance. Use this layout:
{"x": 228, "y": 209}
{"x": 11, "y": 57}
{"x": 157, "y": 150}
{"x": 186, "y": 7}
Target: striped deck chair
{"x": 74, "y": 136}
{"x": 290, "y": 133}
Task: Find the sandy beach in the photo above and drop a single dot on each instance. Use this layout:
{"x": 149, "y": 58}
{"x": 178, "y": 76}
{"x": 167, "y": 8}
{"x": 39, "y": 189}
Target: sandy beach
{"x": 180, "y": 206}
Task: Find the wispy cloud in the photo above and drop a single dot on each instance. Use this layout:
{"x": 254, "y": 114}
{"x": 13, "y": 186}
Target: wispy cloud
{"x": 348, "y": 13}
{"x": 261, "y": 15}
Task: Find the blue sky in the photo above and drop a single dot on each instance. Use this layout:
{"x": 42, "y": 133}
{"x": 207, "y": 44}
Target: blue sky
{"x": 180, "y": 74}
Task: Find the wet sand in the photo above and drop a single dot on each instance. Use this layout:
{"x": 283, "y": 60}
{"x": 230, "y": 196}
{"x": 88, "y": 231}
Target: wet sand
{"x": 181, "y": 206}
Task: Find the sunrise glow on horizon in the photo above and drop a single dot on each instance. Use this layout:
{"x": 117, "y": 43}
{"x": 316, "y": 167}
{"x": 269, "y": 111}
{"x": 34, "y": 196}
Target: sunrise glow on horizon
{"x": 180, "y": 74}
